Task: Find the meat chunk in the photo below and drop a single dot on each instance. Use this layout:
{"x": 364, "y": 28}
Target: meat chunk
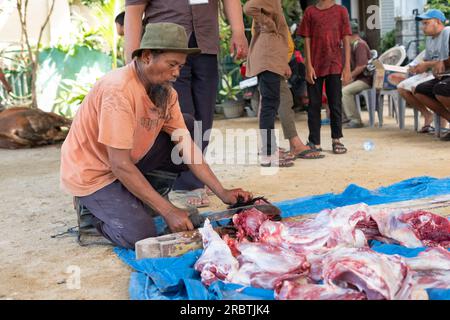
{"x": 329, "y": 229}
{"x": 216, "y": 261}
{"x": 378, "y": 276}
{"x": 431, "y": 229}
{"x": 266, "y": 266}
{"x": 431, "y": 268}
{"x": 248, "y": 223}
{"x": 413, "y": 229}
{"x": 292, "y": 290}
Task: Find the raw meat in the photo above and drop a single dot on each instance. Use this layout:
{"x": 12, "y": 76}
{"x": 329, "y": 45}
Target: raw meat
{"x": 391, "y": 227}
{"x": 431, "y": 229}
{"x": 292, "y": 290}
{"x": 430, "y": 259}
{"x": 431, "y": 268}
{"x": 378, "y": 276}
{"x": 330, "y": 228}
{"x": 216, "y": 261}
{"x": 413, "y": 229}
{"x": 266, "y": 266}
{"x": 248, "y": 223}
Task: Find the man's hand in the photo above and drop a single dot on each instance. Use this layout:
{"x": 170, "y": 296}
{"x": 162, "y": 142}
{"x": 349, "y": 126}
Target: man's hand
{"x": 420, "y": 68}
{"x": 346, "y": 76}
{"x": 288, "y": 72}
{"x": 311, "y": 75}
{"x": 239, "y": 45}
{"x": 231, "y": 196}
{"x": 178, "y": 220}
{"x": 438, "y": 69}
{"x": 412, "y": 70}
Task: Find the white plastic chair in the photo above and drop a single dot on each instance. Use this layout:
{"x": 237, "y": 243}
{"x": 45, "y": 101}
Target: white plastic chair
{"x": 369, "y": 96}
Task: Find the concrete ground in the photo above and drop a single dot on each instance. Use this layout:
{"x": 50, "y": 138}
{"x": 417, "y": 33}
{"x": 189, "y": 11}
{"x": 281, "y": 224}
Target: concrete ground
{"x": 34, "y": 265}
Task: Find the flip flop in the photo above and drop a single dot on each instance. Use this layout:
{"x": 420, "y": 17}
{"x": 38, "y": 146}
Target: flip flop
{"x": 313, "y": 147}
{"x": 354, "y": 125}
{"x": 180, "y": 198}
{"x": 304, "y": 154}
{"x": 209, "y": 191}
{"x": 281, "y": 162}
{"x": 427, "y": 129}
{"x": 446, "y": 137}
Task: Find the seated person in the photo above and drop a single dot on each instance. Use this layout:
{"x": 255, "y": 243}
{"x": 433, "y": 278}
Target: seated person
{"x": 436, "y": 94}
{"x": 359, "y": 59}
{"x": 130, "y": 124}
{"x": 436, "y": 51}
{"x": 407, "y": 87}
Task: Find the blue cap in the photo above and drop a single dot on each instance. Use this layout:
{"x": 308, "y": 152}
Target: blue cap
{"x": 432, "y": 14}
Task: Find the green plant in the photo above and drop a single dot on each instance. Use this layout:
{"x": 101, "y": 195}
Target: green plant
{"x": 71, "y": 95}
{"x": 81, "y": 36}
{"x": 442, "y": 5}
{"x": 229, "y": 91}
{"x": 32, "y": 49}
{"x": 388, "y": 41}
{"x": 106, "y": 13}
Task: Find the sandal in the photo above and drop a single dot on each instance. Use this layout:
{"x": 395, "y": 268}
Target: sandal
{"x": 309, "y": 154}
{"x": 313, "y": 147}
{"x": 180, "y": 198}
{"x": 427, "y": 129}
{"x": 446, "y": 137}
{"x": 276, "y": 161}
{"x": 338, "y": 148}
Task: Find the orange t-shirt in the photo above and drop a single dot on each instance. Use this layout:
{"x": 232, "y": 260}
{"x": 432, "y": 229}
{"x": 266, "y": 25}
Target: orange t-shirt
{"x": 118, "y": 113}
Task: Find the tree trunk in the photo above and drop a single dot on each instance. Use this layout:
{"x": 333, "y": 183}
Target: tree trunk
{"x": 33, "y": 55}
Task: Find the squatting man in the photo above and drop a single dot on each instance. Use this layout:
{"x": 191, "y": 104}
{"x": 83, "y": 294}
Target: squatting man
{"x": 123, "y": 131}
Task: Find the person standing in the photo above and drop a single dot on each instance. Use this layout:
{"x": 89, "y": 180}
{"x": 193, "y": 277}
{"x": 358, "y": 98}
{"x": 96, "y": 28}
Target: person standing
{"x": 297, "y": 149}
{"x": 198, "y": 81}
{"x": 326, "y": 29}
{"x": 268, "y": 61}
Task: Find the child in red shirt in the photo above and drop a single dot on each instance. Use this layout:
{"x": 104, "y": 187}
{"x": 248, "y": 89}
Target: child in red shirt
{"x": 326, "y": 29}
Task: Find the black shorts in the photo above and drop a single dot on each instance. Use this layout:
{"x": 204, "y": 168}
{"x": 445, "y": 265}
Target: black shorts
{"x": 435, "y": 87}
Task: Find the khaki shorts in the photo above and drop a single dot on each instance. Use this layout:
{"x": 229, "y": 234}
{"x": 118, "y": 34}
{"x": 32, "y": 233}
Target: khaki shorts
{"x": 411, "y": 83}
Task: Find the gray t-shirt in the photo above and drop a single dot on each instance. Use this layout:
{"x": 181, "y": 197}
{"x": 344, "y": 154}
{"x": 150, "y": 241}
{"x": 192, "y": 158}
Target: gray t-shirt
{"x": 438, "y": 48}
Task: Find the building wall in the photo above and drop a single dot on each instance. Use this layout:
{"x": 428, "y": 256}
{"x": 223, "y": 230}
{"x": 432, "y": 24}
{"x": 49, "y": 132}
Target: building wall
{"x": 10, "y": 28}
{"x": 387, "y": 12}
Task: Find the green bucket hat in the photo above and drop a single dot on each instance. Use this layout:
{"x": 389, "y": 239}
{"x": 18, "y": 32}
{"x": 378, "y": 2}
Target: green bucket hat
{"x": 165, "y": 36}
{"x": 355, "y": 27}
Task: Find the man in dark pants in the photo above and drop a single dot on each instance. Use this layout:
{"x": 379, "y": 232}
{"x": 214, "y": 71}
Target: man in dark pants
{"x": 436, "y": 95}
{"x": 127, "y": 126}
{"x": 198, "y": 81}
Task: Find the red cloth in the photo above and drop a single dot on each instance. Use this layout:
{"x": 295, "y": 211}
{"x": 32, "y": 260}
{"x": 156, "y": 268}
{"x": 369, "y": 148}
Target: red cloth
{"x": 324, "y": 95}
{"x": 298, "y": 57}
{"x": 326, "y": 28}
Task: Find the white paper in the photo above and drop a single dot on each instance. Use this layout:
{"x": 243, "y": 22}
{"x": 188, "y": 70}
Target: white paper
{"x": 194, "y": 2}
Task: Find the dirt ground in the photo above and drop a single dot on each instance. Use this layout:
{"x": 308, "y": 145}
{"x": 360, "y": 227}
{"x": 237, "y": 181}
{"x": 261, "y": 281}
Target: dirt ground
{"x": 32, "y": 207}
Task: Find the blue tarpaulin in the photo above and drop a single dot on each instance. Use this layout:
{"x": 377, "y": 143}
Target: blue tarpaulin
{"x": 175, "y": 278}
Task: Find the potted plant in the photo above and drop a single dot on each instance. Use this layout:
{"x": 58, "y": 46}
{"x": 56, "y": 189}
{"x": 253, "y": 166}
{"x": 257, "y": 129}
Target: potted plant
{"x": 233, "y": 106}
